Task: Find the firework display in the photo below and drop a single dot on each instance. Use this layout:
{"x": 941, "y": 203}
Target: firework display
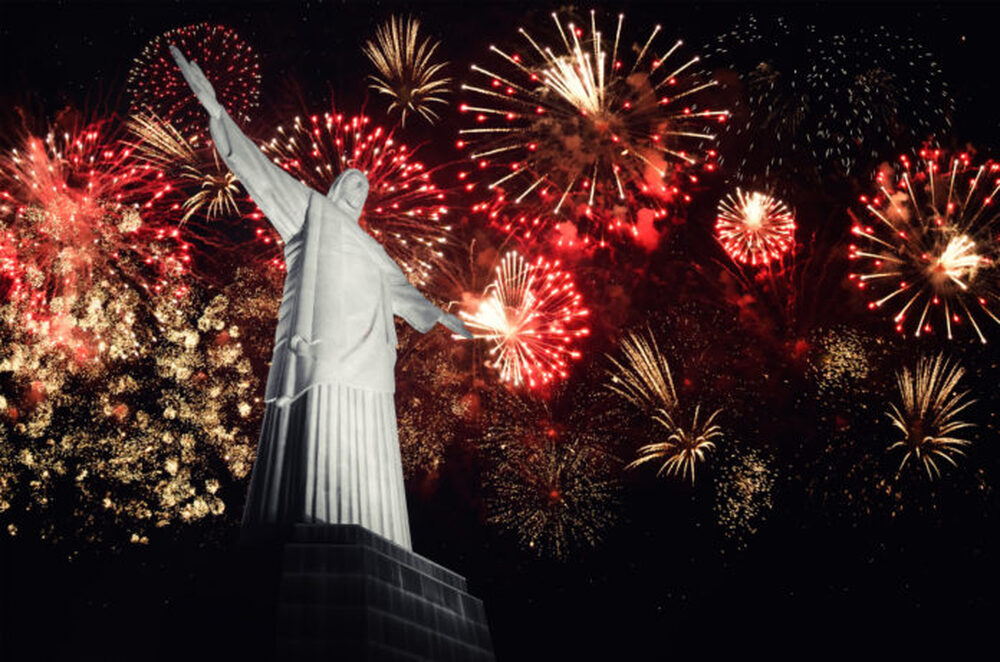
{"x": 594, "y": 130}
{"x": 406, "y": 210}
{"x": 754, "y": 228}
{"x": 407, "y": 72}
{"x": 155, "y": 84}
{"x": 531, "y": 315}
{"x": 636, "y": 402}
{"x": 928, "y": 414}
{"x": 929, "y": 248}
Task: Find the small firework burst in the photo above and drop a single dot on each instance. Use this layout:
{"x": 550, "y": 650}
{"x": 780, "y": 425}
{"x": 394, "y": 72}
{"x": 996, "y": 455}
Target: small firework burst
{"x": 686, "y": 445}
{"x": 754, "y": 228}
{"x": 644, "y": 379}
{"x": 743, "y": 495}
{"x": 405, "y": 210}
{"x": 571, "y": 133}
{"x": 156, "y": 86}
{"x": 930, "y": 252}
{"x": 531, "y": 314}
{"x": 928, "y": 414}
{"x": 406, "y": 70}
{"x": 551, "y": 485}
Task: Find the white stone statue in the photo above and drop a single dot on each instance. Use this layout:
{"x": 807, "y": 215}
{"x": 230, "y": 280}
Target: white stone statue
{"x": 328, "y": 450}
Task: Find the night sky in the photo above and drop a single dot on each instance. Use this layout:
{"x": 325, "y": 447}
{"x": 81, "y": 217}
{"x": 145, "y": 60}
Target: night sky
{"x": 840, "y": 560}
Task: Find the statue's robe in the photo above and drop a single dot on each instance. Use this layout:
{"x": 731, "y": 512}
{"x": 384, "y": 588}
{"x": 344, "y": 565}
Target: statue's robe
{"x": 328, "y": 449}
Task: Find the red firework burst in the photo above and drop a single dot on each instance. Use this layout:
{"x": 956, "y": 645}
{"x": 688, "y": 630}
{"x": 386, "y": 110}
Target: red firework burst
{"x": 531, "y": 314}
{"x": 155, "y": 83}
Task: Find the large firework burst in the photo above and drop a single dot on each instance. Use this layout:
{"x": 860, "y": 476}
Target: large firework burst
{"x": 78, "y": 212}
{"x": 531, "y": 314}
{"x": 406, "y": 209}
{"x": 754, "y": 228}
{"x": 929, "y": 251}
{"x": 571, "y": 133}
{"x": 551, "y": 484}
{"x": 406, "y": 70}
{"x": 928, "y": 414}
{"x": 232, "y": 67}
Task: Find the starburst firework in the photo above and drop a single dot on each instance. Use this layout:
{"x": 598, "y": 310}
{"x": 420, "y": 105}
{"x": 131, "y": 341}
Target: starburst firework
{"x": 406, "y": 70}
{"x": 156, "y": 86}
{"x": 928, "y": 414}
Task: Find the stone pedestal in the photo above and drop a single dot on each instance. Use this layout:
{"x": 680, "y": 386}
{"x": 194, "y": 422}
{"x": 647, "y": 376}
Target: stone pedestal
{"x": 349, "y": 594}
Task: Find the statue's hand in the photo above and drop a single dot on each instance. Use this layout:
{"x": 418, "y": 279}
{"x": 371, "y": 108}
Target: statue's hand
{"x": 455, "y": 325}
{"x": 194, "y": 76}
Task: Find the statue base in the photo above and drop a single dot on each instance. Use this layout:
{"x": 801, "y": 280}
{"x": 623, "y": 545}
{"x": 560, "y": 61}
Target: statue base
{"x": 349, "y": 594}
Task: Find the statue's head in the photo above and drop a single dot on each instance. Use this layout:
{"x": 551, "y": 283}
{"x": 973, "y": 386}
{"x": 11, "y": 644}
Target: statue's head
{"x": 349, "y": 191}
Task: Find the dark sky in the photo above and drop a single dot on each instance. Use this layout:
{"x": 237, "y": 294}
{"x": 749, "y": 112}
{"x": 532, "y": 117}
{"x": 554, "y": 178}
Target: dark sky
{"x": 649, "y": 593}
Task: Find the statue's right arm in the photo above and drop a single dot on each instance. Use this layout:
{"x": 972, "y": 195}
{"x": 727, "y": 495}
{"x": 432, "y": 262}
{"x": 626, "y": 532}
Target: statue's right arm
{"x": 281, "y": 197}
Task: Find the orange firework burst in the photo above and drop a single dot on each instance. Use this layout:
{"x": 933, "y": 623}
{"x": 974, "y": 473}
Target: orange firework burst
{"x": 754, "y": 228}
{"x": 406, "y": 209}
{"x": 572, "y": 133}
{"x": 531, "y": 314}
{"x": 930, "y": 251}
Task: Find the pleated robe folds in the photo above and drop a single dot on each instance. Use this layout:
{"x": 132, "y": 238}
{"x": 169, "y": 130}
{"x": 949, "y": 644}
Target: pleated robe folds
{"x": 328, "y": 449}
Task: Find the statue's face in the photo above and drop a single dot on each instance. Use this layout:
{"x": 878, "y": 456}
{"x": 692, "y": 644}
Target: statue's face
{"x": 350, "y": 191}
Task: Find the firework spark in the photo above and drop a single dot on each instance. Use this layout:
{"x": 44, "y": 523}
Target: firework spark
{"x": 931, "y": 250}
{"x": 744, "y": 490}
{"x": 754, "y": 228}
{"x": 643, "y": 378}
{"x": 406, "y": 72}
{"x": 405, "y": 210}
{"x": 927, "y": 414}
{"x": 531, "y": 314}
{"x": 155, "y": 83}
{"x": 572, "y": 133}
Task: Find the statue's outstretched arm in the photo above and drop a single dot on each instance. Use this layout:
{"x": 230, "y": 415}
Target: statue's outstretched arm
{"x": 421, "y": 314}
{"x": 281, "y": 197}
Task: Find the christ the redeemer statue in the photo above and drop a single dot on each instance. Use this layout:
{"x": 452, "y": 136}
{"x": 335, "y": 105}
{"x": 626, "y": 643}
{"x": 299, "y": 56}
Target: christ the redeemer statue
{"x": 328, "y": 450}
